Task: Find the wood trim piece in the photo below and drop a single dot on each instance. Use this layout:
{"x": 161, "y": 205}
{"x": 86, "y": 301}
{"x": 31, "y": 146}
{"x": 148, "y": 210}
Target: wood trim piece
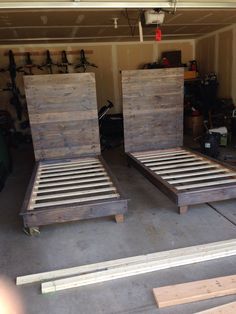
{"x": 195, "y": 291}
{"x": 101, "y": 173}
{"x": 69, "y": 168}
{"x": 71, "y": 194}
{"x": 147, "y": 160}
{"x": 76, "y": 200}
{"x": 70, "y": 172}
{"x": 127, "y": 270}
{"x": 91, "y": 179}
{"x": 202, "y": 178}
{"x": 150, "y": 164}
{"x": 192, "y": 174}
{"x": 228, "y": 308}
{"x": 199, "y": 185}
{"x": 205, "y": 250}
{"x": 68, "y": 188}
{"x": 185, "y": 169}
{"x": 48, "y": 166}
{"x": 165, "y": 152}
{"x": 187, "y": 164}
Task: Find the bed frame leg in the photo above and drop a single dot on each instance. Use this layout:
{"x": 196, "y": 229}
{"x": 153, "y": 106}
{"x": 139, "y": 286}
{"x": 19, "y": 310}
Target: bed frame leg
{"x": 183, "y": 209}
{"x": 119, "y": 218}
{"x": 33, "y": 231}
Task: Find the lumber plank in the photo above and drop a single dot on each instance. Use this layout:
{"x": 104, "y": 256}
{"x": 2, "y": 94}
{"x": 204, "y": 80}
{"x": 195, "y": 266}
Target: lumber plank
{"x": 149, "y": 164}
{"x": 54, "y": 165}
{"x": 69, "y": 194}
{"x": 73, "y": 187}
{"x": 162, "y": 156}
{"x": 69, "y": 168}
{"x": 192, "y": 174}
{"x": 195, "y": 291}
{"x": 76, "y": 200}
{"x": 159, "y": 154}
{"x": 198, "y": 185}
{"x": 186, "y": 169}
{"x": 229, "y": 308}
{"x": 203, "y": 178}
{"x": 71, "y": 172}
{"x": 121, "y": 272}
{"x": 87, "y": 175}
{"x": 181, "y": 166}
{"x": 207, "y": 251}
{"x": 92, "y": 179}
{"x": 152, "y": 159}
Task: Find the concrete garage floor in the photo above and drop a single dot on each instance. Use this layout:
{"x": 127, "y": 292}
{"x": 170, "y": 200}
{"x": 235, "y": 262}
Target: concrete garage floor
{"x": 152, "y": 224}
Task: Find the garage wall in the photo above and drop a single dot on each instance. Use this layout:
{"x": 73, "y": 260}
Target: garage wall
{"x": 111, "y": 58}
{"x": 215, "y": 52}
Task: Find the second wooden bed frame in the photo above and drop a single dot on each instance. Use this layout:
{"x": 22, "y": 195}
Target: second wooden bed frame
{"x": 153, "y": 131}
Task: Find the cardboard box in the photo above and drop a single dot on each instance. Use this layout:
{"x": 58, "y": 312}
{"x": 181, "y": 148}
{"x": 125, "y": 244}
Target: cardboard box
{"x": 194, "y": 125}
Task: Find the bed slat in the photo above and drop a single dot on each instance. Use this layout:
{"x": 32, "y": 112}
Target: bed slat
{"x": 78, "y": 200}
{"x": 60, "y": 195}
{"x": 73, "y": 187}
{"x": 199, "y": 185}
{"x": 150, "y": 164}
{"x": 229, "y": 174}
{"x": 192, "y": 174}
{"x": 181, "y": 166}
{"x": 51, "y": 175}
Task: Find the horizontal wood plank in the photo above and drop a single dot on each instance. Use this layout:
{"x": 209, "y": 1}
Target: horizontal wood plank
{"x": 199, "y": 185}
{"x": 77, "y": 200}
{"x": 71, "y": 194}
{"x": 187, "y": 169}
{"x": 130, "y": 270}
{"x": 204, "y": 250}
{"x": 229, "y": 308}
{"x": 195, "y": 291}
{"x": 203, "y": 178}
{"x": 194, "y": 173}
{"x": 70, "y": 187}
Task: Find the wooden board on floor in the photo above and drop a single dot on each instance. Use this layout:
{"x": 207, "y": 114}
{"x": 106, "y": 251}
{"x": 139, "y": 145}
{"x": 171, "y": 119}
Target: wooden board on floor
{"x": 181, "y": 256}
{"x": 63, "y": 115}
{"x": 229, "y": 308}
{"x": 195, "y": 291}
{"x": 152, "y": 108}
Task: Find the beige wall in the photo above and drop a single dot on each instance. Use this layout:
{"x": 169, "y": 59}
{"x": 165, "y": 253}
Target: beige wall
{"x": 216, "y": 52}
{"x": 111, "y": 58}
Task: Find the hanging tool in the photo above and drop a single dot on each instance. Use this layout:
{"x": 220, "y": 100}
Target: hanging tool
{"x": 64, "y": 62}
{"x": 29, "y": 65}
{"x": 49, "y": 63}
{"x": 84, "y": 63}
{"x": 12, "y": 87}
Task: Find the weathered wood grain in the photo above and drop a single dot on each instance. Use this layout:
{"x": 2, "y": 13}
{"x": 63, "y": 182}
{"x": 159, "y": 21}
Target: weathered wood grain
{"x": 63, "y": 115}
{"x": 153, "y": 109}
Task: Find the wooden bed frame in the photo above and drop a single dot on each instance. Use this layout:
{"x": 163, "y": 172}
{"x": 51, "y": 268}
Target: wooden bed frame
{"x": 153, "y": 131}
{"x": 70, "y": 181}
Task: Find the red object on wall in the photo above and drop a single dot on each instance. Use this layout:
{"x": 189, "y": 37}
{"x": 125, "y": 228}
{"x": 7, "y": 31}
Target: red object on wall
{"x": 158, "y": 34}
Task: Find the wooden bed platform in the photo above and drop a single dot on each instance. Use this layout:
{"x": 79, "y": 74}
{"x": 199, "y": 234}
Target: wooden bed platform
{"x": 153, "y": 121}
{"x": 70, "y": 181}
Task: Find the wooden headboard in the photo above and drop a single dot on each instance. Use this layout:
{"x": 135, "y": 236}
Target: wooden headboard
{"x": 153, "y": 108}
{"x": 63, "y": 115}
